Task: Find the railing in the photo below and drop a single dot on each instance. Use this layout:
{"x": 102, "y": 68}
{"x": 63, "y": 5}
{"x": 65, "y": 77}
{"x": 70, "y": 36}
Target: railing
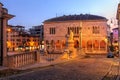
{"x": 20, "y": 60}
{"x": 28, "y": 58}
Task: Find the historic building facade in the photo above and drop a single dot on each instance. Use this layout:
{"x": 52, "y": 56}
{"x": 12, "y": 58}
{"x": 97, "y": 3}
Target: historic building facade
{"x": 38, "y": 31}
{"x": 18, "y": 39}
{"x": 90, "y": 32}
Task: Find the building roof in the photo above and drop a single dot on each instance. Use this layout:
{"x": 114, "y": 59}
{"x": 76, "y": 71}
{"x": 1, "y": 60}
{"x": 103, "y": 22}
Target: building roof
{"x": 76, "y": 17}
{"x": 1, "y": 4}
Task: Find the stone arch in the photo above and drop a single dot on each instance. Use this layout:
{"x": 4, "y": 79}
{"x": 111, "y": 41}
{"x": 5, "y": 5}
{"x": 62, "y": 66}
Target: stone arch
{"x": 76, "y": 44}
{"x": 83, "y": 44}
{"x": 63, "y": 43}
{"x": 102, "y": 45}
{"x": 47, "y": 42}
{"x": 52, "y": 43}
{"x": 89, "y": 45}
{"x": 58, "y": 44}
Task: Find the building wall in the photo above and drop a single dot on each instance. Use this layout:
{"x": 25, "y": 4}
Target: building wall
{"x": 87, "y": 35}
{"x": 37, "y": 30}
{"x": 18, "y": 40}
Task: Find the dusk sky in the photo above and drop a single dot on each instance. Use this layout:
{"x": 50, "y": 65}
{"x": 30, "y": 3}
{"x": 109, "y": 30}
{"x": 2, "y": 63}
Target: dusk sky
{"x": 33, "y": 12}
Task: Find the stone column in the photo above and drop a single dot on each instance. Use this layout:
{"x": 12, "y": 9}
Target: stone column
{"x": 1, "y": 26}
{"x": 4, "y": 42}
{"x": 1, "y": 42}
{"x": 3, "y": 35}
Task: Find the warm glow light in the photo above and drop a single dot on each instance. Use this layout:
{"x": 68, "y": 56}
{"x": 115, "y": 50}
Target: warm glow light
{"x": 9, "y": 30}
{"x": 105, "y": 39}
{"x": 31, "y": 43}
{"x": 8, "y": 44}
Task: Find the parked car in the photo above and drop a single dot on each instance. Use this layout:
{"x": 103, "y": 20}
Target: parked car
{"x": 110, "y": 55}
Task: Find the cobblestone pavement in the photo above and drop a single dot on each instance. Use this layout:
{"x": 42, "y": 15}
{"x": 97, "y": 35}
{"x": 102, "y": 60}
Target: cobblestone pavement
{"x": 93, "y": 68}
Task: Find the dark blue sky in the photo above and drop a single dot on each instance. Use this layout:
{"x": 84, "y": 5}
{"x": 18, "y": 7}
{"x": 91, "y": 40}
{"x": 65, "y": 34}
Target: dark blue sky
{"x": 33, "y": 12}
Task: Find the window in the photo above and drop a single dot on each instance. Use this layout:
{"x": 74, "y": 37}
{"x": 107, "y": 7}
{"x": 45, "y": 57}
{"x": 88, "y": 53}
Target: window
{"x": 18, "y": 39}
{"x": 74, "y": 29}
{"x": 52, "y": 31}
{"x": 96, "y": 30}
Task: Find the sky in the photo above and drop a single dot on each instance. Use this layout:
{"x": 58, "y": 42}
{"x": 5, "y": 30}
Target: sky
{"x": 30, "y": 13}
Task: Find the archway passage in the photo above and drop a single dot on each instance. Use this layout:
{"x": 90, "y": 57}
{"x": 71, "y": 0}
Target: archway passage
{"x": 89, "y": 45}
{"x": 63, "y": 44}
{"x": 83, "y": 44}
{"x": 102, "y": 45}
{"x": 52, "y": 43}
{"x": 58, "y": 44}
